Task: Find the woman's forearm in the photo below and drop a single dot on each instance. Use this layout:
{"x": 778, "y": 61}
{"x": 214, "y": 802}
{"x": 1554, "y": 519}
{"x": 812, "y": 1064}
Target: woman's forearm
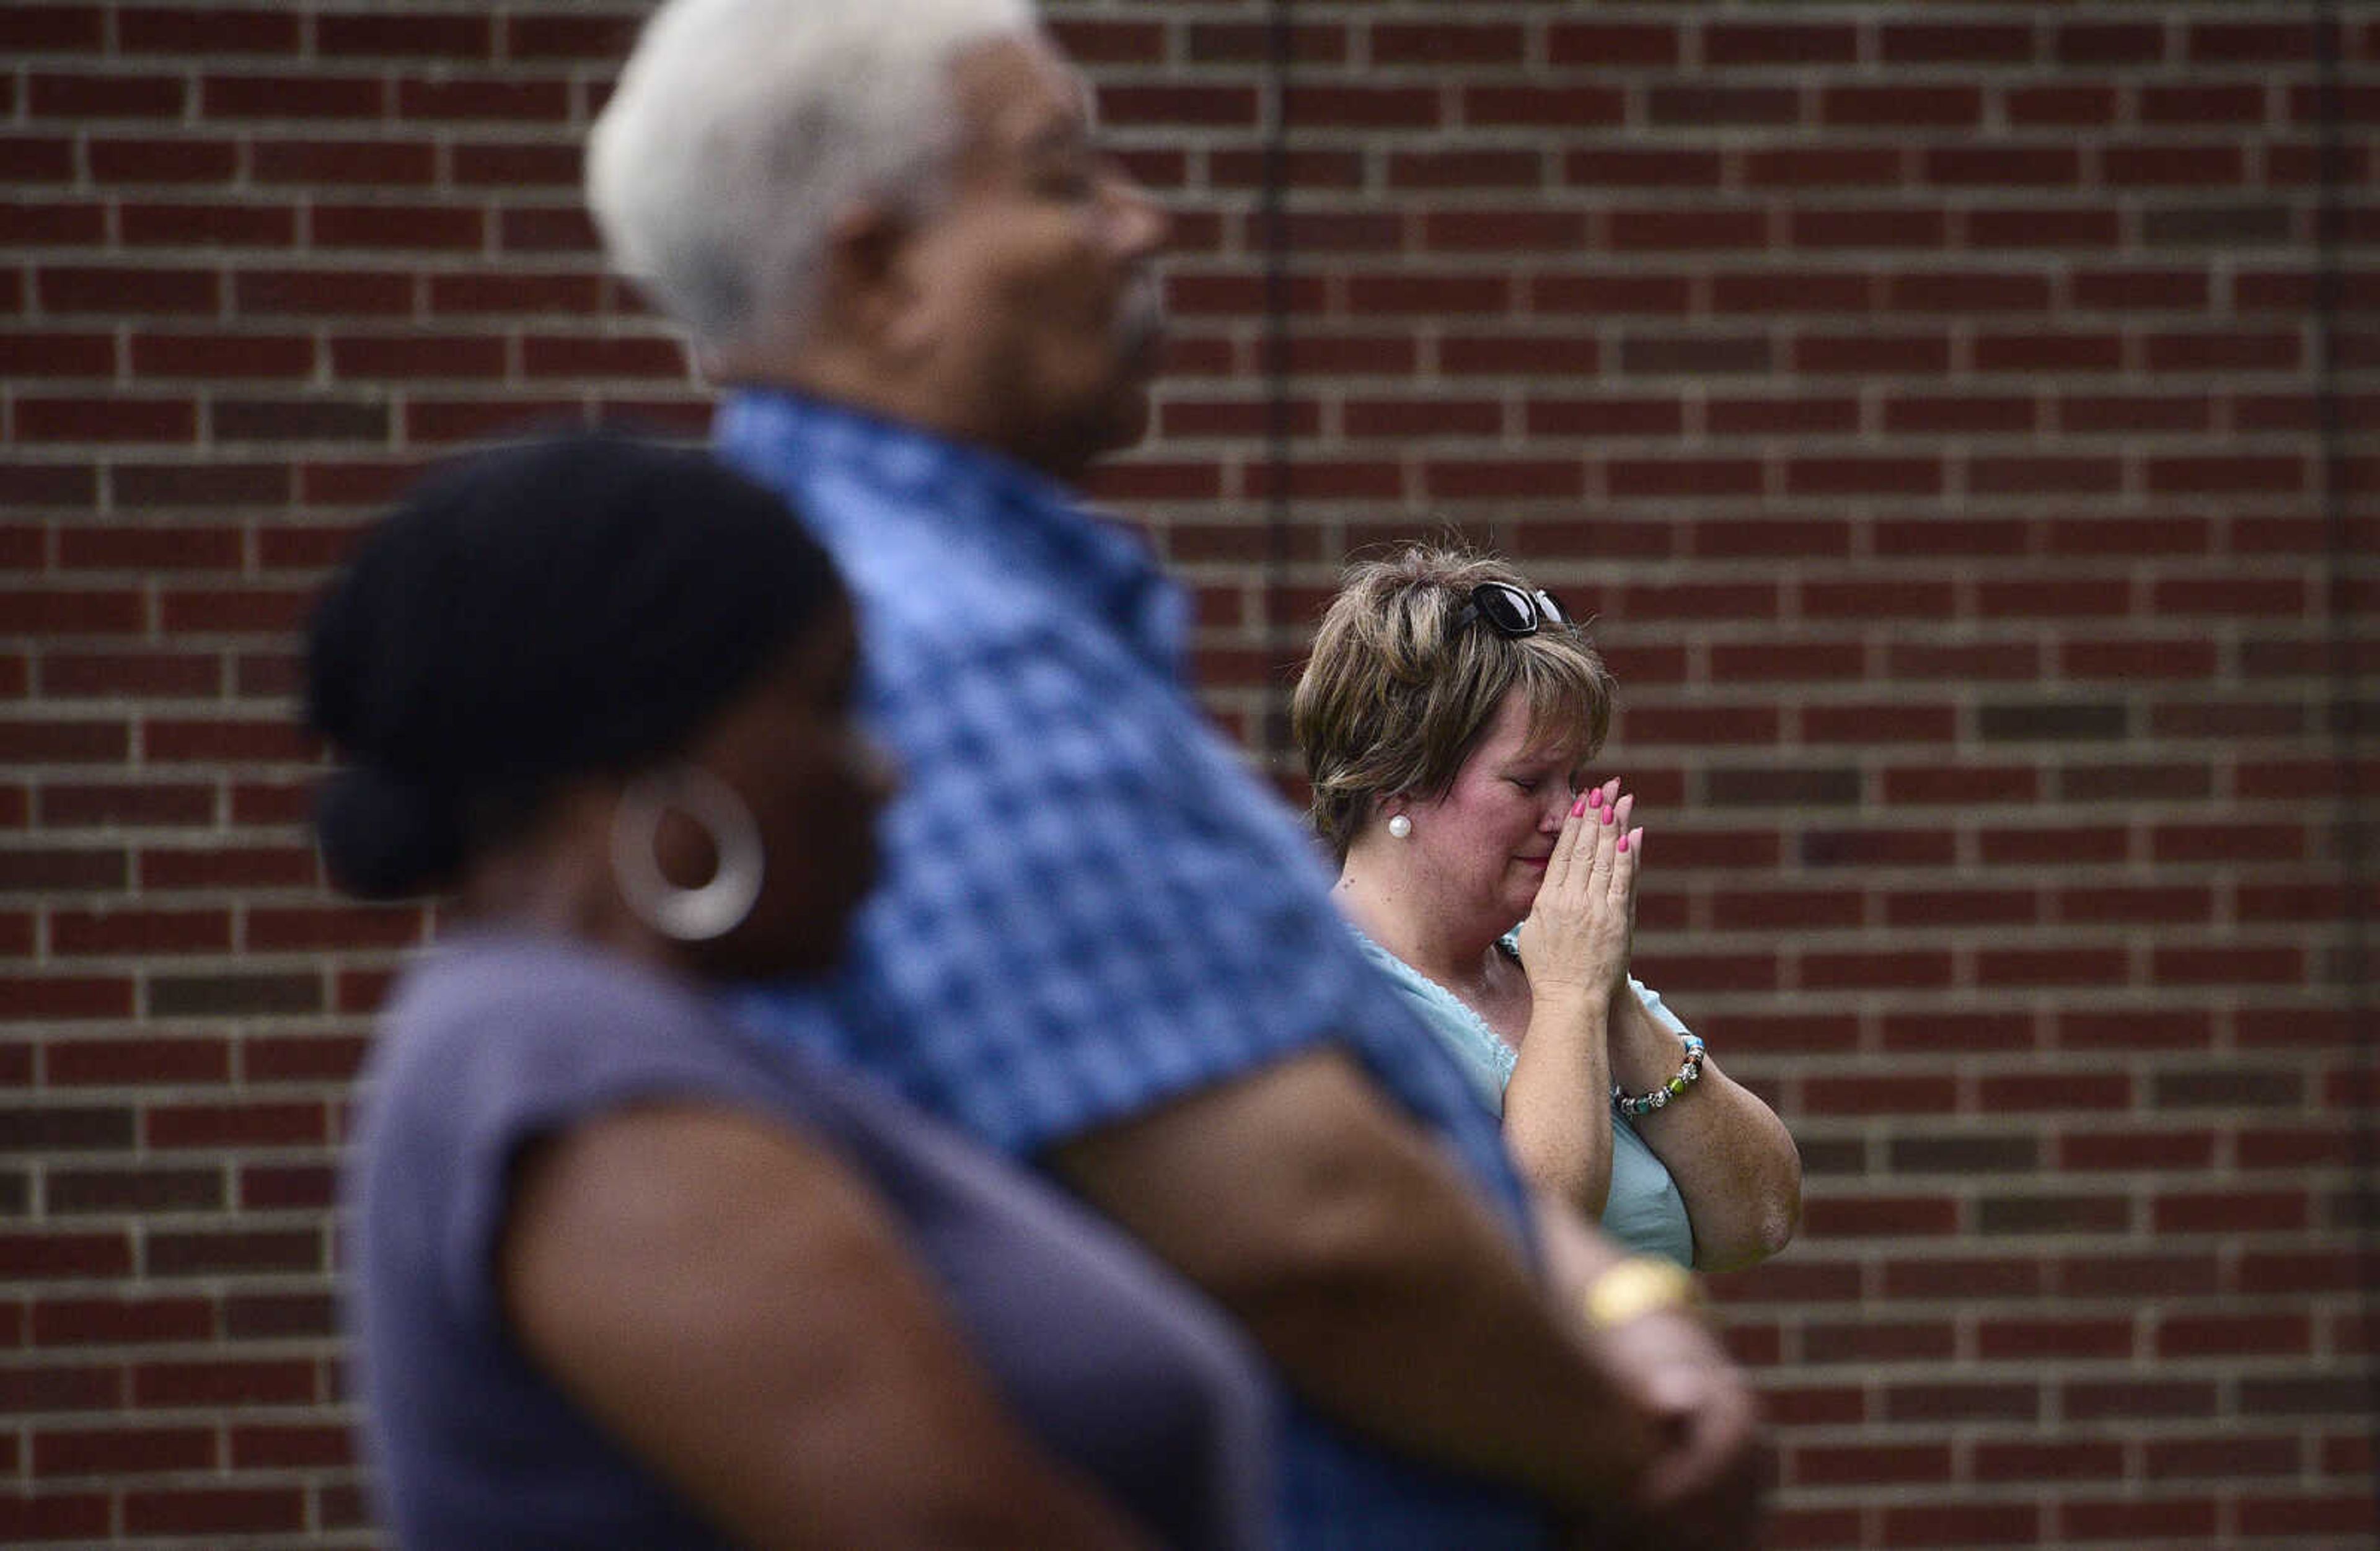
{"x": 1733, "y": 1161}
{"x": 1563, "y": 1146}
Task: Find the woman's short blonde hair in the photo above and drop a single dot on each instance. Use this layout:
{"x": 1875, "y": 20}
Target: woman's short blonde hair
{"x": 1395, "y": 696}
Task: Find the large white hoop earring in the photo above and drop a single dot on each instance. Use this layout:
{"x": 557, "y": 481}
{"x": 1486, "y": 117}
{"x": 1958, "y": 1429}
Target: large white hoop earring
{"x": 1401, "y": 826}
{"x": 689, "y": 914}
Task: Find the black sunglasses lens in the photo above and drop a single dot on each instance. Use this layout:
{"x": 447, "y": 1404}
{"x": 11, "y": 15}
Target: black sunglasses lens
{"x": 1549, "y": 610}
{"x": 1508, "y": 609}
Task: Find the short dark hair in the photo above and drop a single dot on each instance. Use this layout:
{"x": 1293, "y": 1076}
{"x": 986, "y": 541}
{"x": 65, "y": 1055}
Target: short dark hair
{"x": 575, "y": 604}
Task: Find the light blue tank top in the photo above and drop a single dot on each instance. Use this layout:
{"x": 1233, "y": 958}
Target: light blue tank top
{"x": 1644, "y": 1210}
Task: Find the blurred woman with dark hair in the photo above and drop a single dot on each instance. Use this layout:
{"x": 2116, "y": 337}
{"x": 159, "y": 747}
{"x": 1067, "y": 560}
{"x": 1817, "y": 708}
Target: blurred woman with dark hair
{"x": 620, "y": 1278}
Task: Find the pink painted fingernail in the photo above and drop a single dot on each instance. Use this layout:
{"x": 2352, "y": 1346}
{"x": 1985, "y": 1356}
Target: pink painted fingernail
{"x": 1624, "y": 842}
{"x": 1578, "y": 807}
{"x": 1594, "y": 798}
{"x": 1608, "y": 815}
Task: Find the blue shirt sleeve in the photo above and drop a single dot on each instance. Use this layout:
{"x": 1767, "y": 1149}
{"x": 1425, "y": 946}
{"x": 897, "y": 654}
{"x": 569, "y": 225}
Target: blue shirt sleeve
{"x": 1097, "y": 915}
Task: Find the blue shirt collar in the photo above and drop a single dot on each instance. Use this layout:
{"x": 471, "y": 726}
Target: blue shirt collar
{"x": 1038, "y": 528}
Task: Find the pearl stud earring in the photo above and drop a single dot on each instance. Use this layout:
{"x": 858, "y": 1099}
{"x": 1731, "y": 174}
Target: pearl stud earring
{"x": 1401, "y": 826}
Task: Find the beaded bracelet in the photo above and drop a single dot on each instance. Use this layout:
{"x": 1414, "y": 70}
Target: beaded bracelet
{"x": 1634, "y": 1104}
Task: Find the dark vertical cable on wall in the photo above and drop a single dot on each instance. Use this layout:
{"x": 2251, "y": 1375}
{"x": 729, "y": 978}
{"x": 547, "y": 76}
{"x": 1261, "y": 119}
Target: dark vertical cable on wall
{"x": 2346, "y": 706}
{"x": 1273, "y": 216}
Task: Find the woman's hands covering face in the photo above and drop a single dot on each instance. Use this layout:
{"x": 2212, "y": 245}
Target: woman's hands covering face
{"x": 1581, "y": 929}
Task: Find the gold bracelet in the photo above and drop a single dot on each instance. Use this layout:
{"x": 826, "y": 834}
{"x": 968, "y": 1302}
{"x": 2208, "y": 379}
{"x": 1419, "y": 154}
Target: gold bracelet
{"x": 1640, "y": 1285}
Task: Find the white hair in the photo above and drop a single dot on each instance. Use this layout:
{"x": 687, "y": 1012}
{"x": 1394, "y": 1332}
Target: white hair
{"x": 740, "y": 130}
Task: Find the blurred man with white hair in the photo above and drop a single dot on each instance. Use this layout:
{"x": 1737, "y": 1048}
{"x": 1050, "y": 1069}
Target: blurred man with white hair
{"x": 1102, "y": 945}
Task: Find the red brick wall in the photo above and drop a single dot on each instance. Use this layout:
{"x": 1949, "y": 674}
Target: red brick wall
{"x": 1962, "y": 418}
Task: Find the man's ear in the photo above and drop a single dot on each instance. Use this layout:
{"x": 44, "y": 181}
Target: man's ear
{"x": 868, "y": 291}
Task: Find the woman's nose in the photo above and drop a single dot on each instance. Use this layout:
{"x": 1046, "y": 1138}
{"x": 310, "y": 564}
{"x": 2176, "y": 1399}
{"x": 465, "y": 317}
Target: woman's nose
{"x": 876, "y": 768}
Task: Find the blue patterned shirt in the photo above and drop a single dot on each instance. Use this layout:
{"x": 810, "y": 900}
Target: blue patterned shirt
{"x": 1089, "y": 905}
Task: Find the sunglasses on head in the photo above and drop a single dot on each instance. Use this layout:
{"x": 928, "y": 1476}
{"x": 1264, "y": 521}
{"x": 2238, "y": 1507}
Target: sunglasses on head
{"x": 1509, "y": 610}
